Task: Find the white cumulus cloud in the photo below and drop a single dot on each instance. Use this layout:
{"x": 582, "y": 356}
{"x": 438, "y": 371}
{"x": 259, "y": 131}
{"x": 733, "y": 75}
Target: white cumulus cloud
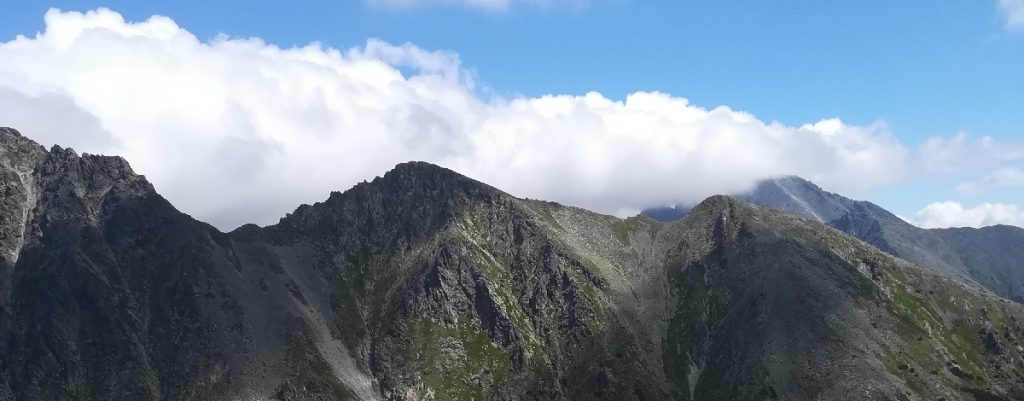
{"x": 1014, "y": 12}
{"x": 236, "y": 130}
{"x": 954, "y": 214}
{"x": 944, "y": 155}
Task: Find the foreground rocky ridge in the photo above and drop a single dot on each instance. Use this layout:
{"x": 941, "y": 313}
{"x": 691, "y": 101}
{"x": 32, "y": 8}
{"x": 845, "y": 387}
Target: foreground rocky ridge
{"x": 424, "y": 284}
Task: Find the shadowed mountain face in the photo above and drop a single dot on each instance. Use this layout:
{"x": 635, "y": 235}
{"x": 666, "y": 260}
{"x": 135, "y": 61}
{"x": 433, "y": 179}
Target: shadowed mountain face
{"x": 426, "y": 285}
{"x": 992, "y": 257}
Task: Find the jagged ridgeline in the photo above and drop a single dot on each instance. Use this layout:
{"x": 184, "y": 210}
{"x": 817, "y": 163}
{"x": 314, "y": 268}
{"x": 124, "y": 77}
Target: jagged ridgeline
{"x": 424, "y": 284}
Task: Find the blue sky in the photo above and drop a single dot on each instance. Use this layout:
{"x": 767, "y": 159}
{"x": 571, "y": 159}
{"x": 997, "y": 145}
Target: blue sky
{"x": 926, "y": 69}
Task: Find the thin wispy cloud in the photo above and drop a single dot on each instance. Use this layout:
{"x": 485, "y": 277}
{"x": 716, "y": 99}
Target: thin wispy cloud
{"x": 1005, "y": 177}
{"x": 959, "y": 152}
{"x": 1013, "y": 10}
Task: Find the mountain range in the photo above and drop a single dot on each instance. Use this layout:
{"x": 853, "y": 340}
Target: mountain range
{"x": 423, "y": 284}
{"x": 992, "y": 257}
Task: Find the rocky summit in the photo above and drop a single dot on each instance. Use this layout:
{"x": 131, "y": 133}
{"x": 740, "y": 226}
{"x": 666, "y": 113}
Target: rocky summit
{"x": 426, "y": 285}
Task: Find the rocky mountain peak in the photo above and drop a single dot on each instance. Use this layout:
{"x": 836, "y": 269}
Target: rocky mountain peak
{"x": 17, "y": 151}
{"x": 793, "y": 194}
{"x": 8, "y": 135}
{"x": 421, "y": 168}
{"x": 411, "y": 199}
{"x": 422, "y": 178}
{"x": 798, "y": 195}
{"x": 417, "y": 179}
{"x": 59, "y": 184}
{"x": 20, "y": 153}
{"x": 785, "y": 192}
{"x": 718, "y": 205}
{"x": 8, "y": 131}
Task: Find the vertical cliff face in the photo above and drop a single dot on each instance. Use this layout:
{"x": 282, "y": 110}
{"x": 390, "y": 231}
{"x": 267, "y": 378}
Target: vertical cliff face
{"x": 426, "y": 285}
{"x": 18, "y": 158}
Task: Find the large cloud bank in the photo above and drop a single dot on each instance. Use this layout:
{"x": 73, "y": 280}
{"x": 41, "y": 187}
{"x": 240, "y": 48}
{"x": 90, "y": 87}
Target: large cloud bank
{"x": 238, "y": 130}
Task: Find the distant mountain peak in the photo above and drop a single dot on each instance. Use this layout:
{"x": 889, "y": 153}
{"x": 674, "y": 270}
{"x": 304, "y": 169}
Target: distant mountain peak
{"x": 798, "y": 195}
{"x": 786, "y": 192}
